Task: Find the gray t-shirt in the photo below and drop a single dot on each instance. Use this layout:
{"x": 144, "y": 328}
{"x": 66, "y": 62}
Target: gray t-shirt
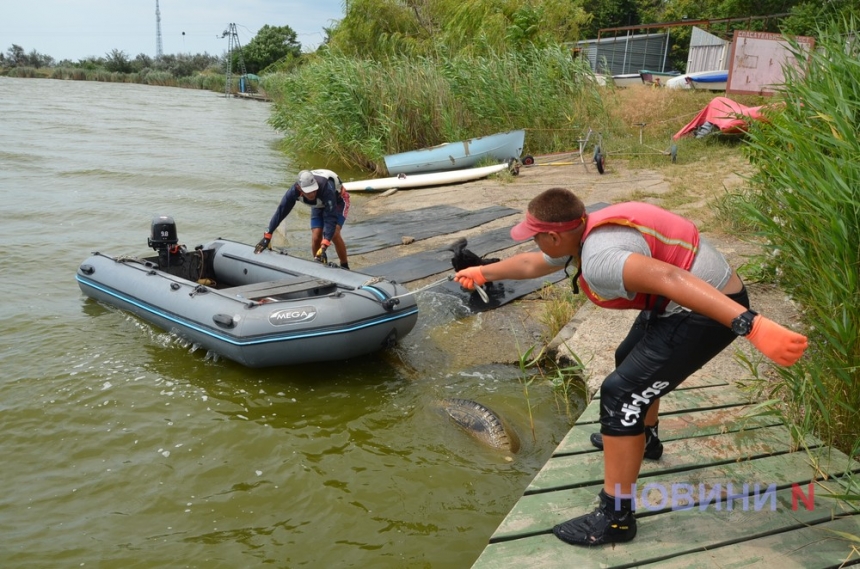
{"x": 607, "y": 248}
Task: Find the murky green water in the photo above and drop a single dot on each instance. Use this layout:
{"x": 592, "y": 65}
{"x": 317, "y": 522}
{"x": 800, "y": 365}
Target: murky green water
{"x": 123, "y": 447}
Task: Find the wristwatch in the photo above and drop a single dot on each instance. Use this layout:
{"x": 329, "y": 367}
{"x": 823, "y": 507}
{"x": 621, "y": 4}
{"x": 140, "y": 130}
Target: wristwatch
{"x": 743, "y": 323}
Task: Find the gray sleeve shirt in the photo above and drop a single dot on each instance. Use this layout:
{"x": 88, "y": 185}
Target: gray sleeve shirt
{"x": 607, "y": 248}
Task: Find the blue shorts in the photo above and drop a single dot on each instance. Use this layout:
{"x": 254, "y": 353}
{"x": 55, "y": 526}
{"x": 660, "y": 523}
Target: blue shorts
{"x": 342, "y": 211}
{"x": 657, "y": 355}
{"x": 317, "y": 219}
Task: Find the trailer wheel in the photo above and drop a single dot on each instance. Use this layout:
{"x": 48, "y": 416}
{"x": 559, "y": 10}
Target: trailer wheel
{"x": 599, "y": 160}
{"x": 528, "y": 160}
{"x": 673, "y": 152}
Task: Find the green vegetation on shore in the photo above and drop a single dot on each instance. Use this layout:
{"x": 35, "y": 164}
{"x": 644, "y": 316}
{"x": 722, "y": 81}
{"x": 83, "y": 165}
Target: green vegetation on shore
{"x": 360, "y": 110}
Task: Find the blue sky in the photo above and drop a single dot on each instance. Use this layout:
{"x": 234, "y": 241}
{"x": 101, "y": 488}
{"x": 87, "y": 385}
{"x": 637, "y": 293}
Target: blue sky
{"x": 76, "y": 29}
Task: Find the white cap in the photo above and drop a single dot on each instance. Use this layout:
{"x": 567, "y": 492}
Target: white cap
{"x": 307, "y": 182}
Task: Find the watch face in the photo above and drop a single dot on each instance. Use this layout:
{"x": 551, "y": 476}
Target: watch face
{"x": 742, "y": 324}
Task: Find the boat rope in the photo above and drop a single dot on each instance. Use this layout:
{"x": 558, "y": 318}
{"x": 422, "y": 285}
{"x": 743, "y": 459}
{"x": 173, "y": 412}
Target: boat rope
{"x": 129, "y": 259}
{"x": 425, "y": 287}
{"x": 373, "y": 281}
{"x": 479, "y": 289}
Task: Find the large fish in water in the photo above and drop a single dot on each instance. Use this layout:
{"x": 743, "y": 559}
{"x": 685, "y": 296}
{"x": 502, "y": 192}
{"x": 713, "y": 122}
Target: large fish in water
{"x": 482, "y": 423}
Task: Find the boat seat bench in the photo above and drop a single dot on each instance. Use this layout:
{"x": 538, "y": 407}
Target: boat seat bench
{"x": 296, "y": 287}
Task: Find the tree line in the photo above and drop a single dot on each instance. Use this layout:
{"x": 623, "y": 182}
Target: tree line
{"x": 271, "y": 44}
{"x": 376, "y": 29}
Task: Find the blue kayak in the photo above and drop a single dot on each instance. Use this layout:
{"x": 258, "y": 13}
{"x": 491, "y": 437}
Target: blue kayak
{"x": 497, "y": 148}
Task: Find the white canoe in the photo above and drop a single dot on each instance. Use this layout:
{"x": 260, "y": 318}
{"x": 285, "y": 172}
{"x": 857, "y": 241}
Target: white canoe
{"x": 706, "y": 80}
{"x": 405, "y": 181}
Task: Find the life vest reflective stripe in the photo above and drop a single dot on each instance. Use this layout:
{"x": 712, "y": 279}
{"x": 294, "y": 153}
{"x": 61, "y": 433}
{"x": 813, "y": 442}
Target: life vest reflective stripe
{"x": 670, "y": 237}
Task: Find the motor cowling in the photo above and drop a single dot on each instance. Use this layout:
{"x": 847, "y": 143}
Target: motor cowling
{"x": 162, "y": 233}
{"x": 163, "y": 238}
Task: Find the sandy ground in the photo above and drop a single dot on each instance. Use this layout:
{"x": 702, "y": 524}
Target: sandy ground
{"x": 593, "y": 334}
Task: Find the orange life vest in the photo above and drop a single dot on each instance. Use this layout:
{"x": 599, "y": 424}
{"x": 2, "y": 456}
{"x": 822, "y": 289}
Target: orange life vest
{"x": 670, "y": 237}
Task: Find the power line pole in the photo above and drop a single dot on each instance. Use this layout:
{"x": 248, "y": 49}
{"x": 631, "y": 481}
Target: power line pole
{"x": 233, "y": 47}
{"x": 158, "y": 49}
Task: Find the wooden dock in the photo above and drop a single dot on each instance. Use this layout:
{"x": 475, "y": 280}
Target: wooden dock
{"x": 710, "y": 442}
{"x": 253, "y": 97}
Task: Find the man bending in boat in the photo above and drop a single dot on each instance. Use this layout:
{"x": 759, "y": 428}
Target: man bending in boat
{"x": 329, "y": 203}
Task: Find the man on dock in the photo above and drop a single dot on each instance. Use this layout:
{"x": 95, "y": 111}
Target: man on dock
{"x": 692, "y": 306}
{"x": 329, "y": 203}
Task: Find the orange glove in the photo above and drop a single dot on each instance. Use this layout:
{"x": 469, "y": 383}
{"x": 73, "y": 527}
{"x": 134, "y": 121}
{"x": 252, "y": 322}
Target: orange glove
{"x": 470, "y": 278}
{"x": 320, "y": 254}
{"x": 776, "y": 342}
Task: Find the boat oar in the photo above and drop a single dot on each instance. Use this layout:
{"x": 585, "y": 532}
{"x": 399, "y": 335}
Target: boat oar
{"x": 394, "y": 300}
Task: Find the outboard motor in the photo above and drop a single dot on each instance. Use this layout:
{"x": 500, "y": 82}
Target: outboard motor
{"x": 164, "y": 240}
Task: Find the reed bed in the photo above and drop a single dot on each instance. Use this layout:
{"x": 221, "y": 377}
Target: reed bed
{"x": 25, "y": 72}
{"x": 207, "y": 81}
{"x": 356, "y": 111}
{"x": 804, "y": 203}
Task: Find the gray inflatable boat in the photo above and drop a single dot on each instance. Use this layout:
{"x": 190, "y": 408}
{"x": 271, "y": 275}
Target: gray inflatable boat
{"x": 260, "y": 310}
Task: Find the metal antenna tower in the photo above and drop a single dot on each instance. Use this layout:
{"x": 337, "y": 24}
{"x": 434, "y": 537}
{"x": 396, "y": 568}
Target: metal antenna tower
{"x": 233, "y": 47}
{"x": 158, "y": 49}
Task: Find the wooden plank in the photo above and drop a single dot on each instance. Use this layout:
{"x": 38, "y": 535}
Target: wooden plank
{"x": 814, "y": 547}
{"x": 685, "y": 454}
{"x": 663, "y": 536}
{"x": 538, "y": 513}
{"x": 682, "y": 400}
{"x": 681, "y": 426}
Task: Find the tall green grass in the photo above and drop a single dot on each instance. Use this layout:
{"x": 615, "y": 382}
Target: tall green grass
{"x": 804, "y": 203}
{"x": 207, "y": 81}
{"x": 25, "y": 72}
{"x": 356, "y": 111}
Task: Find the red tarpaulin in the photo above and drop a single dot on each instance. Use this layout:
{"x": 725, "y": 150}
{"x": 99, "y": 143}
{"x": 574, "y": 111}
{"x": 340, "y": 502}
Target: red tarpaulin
{"x": 727, "y": 115}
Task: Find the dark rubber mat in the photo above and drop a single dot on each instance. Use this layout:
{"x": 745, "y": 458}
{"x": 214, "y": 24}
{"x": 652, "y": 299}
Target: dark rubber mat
{"x": 389, "y": 229}
{"x": 421, "y": 265}
{"x": 426, "y": 263}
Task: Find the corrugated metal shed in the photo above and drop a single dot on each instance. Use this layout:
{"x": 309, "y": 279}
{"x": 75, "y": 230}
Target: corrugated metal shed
{"x": 707, "y": 52}
{"x": 626, "y": 54}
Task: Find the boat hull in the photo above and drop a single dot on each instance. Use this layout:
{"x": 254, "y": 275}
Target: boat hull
{"x": 657, "y": 78}
{"x": 407, "y": 181}
{"x": 499, "y": 147}
{"x": 627, "y": 80}
{"x": 276, "y": 310}
{"x": 704, "y": 80}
